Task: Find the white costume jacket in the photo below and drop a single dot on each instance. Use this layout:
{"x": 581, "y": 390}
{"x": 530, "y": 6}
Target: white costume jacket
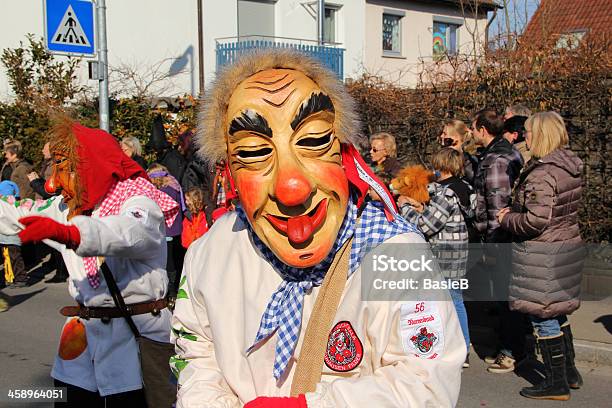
{"x": 226, "y": 286}
{"x": 133, "y": 244}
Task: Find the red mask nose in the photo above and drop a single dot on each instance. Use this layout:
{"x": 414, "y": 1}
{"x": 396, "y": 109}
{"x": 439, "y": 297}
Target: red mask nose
{"x": 50, "y": 187}
{"x": 292, "y": 188}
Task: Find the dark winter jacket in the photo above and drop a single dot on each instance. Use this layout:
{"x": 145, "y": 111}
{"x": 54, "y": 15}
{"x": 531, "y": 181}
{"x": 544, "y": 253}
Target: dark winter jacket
{"x": 5, "y": 172}
{"x": 547, "y": 253}
{"x": 174, "y": 162}
{"x": 470, "y": 165}
{"x": 498, "y": 168}
{"x": 38, "y": 184}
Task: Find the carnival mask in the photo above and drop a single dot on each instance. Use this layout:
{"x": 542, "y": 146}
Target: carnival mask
{"x": 286, "y": 161}
{"x": 63, "y": 178}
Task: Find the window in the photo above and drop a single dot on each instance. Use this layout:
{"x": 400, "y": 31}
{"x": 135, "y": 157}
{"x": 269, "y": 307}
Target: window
{"x": 392, "y": 33}
{"x": 445, "y": 38}
{"x": 329, "y": 25}
{"x": 570, "y": 40}
{"x": 255, "y": 17}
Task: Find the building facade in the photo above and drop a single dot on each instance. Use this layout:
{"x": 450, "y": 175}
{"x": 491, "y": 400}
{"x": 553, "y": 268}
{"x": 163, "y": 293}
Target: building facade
{"x": 153, "y": 47}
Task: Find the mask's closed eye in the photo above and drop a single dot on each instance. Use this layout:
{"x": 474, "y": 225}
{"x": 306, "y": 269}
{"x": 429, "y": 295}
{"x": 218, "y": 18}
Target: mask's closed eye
{"x": 315, "y": 142}
{"x": 254, "y": 154}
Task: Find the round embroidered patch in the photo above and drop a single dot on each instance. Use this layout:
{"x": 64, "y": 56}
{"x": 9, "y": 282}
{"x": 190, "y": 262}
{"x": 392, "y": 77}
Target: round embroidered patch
{"x": 424, "y": 340}
{"x": 344, "y": 349}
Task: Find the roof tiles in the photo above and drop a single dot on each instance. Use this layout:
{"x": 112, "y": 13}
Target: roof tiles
{"x": 556, "y": 17}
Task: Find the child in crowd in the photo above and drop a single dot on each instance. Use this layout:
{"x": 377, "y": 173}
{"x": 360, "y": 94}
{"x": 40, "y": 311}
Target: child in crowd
{"x": 196, "y": 226}
{"x": 443, "y": 222}
{"x": 10, "y": 246}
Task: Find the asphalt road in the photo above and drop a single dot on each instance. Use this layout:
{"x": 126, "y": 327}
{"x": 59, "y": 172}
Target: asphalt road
{"x": 30, "y": 330}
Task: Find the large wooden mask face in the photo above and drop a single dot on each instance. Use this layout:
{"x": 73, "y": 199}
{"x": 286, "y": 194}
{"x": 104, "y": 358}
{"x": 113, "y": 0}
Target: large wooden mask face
{"x": 285, "y": 159}
{"x": 64, "y": 177}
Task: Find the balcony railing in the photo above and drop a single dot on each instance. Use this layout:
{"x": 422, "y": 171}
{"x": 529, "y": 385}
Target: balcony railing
{"x": 330, "y": 55}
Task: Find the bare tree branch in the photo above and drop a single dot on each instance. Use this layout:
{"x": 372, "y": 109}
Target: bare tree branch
{"x": 142, "y": 81}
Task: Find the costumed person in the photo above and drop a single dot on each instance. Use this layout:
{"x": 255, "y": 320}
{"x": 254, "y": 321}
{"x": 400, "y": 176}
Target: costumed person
{"x": 107, "y": 208}
{"x": 271, "y": 312}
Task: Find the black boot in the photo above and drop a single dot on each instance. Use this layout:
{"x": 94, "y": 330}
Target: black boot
{"x": 554, "y": 386}
{"x": 574, "y": 379}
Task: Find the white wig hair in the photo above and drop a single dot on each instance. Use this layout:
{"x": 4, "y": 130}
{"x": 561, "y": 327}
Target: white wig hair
{"x": 211, "y": 129}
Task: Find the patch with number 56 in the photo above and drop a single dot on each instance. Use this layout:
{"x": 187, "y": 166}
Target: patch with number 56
{"x": 421, "y": 329}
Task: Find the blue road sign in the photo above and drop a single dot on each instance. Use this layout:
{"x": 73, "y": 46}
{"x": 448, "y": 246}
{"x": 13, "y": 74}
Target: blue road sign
{"x": 70, "y": 27}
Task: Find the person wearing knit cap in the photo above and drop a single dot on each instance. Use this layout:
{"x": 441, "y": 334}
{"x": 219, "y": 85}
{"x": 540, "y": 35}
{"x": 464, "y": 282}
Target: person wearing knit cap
{"x": 270, "y": 311}
{"x": 108, "y": 215}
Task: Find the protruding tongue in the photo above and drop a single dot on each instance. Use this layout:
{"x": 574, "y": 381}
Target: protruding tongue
{"x": 299, "y": 229}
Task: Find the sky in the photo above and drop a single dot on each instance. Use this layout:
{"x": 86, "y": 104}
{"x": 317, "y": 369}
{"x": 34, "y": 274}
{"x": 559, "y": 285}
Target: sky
{"x": 516, "y": 12}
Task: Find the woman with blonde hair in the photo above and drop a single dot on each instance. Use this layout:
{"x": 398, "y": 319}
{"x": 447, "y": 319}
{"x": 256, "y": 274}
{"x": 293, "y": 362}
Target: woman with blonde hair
{"x": 547, "y": 250}
{"x": 383, "y": 152}
{"x": 456, "y": 134}
{"x": 132, "y": 148}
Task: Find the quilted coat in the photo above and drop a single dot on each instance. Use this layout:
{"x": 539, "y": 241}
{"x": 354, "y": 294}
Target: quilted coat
{"x": 547, "y": 250}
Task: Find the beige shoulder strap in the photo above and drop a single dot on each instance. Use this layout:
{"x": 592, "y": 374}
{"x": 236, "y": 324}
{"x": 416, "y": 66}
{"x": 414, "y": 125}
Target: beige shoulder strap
{"x": 309, "y": 365}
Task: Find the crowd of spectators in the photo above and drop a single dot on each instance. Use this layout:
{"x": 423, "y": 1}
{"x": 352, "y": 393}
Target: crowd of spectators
{"x": 514, "y": 202}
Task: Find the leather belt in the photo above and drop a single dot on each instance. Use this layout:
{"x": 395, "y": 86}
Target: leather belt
{"x": 106, "y": 313}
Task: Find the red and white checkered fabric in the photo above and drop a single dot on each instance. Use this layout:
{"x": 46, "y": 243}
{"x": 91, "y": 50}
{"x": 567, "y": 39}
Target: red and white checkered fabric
{"x": 119, "y": 193}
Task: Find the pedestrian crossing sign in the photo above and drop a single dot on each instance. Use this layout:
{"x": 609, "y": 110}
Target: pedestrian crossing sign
{"x": 69, "y": 27}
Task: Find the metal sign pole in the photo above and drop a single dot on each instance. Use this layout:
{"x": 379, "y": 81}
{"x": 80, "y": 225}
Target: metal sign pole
{"x": 103, "y": 65}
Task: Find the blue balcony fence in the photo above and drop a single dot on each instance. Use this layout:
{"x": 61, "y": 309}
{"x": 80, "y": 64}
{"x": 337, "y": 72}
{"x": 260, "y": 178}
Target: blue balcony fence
{"x": 229, "y": 50}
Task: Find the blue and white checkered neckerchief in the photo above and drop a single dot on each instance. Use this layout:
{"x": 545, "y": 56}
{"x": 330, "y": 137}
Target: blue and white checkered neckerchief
{"x": 284, "y": 310}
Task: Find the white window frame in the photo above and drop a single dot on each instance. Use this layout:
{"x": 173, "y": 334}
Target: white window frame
{"x": 336, "y": 10}
{"x": 400, "y": 14}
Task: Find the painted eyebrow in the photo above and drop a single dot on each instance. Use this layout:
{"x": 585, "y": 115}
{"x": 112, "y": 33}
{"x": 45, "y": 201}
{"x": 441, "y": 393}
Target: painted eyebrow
{"x": 317, "y": 102}
{"x": 250, "y": 121}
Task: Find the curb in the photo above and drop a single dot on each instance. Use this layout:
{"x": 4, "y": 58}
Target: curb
{"x": 586, "y": 351}
{"x": 593, "y": 352}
